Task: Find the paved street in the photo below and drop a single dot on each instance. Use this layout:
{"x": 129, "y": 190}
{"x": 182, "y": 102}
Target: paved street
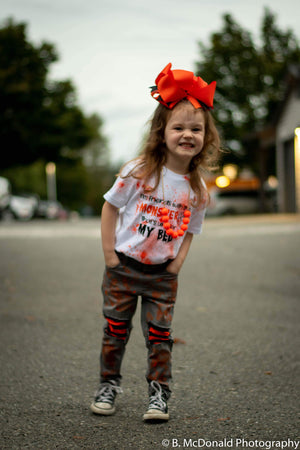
{"x": 236, "y": 329}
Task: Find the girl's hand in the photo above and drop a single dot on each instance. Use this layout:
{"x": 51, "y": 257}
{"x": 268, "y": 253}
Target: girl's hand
{"x": 112, "y": 261}
{"x": 173, "y": 267}
{"x": 176, "y": 264}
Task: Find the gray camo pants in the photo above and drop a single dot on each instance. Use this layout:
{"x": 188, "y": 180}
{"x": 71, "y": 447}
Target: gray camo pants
{"x": 122, "y": 285}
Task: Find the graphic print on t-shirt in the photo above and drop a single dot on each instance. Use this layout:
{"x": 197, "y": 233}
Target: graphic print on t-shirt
{"x": 140, "y": 233}
{"x": 149, "y": 208}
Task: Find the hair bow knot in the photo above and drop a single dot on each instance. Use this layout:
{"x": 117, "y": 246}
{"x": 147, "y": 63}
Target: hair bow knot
{"x": 172, "y": 86}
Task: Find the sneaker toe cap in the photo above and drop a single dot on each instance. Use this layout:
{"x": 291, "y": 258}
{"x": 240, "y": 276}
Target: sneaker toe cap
{"x": 156, "y": 414}
{"x": 103, "y": 405}
{"x": 102, "y": 408}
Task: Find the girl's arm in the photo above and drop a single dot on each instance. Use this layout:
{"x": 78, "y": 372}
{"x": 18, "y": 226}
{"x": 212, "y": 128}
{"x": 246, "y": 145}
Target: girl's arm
{"x": 109, "y": 218}
{"x": 176, "y": 264}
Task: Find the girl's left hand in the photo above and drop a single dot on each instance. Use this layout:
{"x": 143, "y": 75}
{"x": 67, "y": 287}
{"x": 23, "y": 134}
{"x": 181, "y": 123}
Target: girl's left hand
{"x": 173, "y": 267}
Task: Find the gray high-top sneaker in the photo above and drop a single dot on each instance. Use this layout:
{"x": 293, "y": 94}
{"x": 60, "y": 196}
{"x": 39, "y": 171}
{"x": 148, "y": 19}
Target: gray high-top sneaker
{"x": 105, "y": 398}
{"x": 158, "y": 408}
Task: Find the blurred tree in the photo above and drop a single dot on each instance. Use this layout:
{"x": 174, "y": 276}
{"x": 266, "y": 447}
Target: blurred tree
{"x": 96, "y": 152}
{"x": 250, "y": 79}
{"x": 39, "y": 119}
{"x": 29, "y": 179}
{"x": 76, "y": 184}
{"x": 100, "y": 180}
{"x": 72, "y": 184}
{"x": 279, "y": 51}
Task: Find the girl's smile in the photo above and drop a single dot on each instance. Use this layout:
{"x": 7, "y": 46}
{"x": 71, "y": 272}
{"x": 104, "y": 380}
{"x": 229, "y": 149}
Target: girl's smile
{"x": 184, "y": 136}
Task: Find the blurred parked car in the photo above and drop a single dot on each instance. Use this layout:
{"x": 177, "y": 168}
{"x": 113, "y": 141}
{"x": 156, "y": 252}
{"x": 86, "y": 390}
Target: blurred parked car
{"x": 26, "y": 206}
{"x": 4, "y": 194}
{"x": 244, "y": 201}
{"x": 51, "y": 210}
{"x": 20, "y": 208}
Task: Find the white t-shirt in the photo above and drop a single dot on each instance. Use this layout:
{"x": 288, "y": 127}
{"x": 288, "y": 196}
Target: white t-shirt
{"x": 140, "y": 233}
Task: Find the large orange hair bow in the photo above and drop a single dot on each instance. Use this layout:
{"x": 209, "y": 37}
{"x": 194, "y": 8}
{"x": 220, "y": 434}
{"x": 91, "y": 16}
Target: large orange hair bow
{"x": 175, "y": 85}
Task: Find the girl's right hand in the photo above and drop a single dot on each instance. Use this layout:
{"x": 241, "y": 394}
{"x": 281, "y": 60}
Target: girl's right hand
{"x": 112, "y": 262}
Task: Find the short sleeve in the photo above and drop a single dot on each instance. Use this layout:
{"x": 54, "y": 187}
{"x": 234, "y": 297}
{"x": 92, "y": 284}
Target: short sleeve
{"x": 198, "y": 213}
{"x": 123, "y": 188}
{"x": 197, "y": 219}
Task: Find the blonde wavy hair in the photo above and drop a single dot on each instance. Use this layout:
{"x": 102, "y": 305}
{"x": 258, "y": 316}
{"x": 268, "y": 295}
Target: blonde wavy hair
{"x": 153, "y": 154}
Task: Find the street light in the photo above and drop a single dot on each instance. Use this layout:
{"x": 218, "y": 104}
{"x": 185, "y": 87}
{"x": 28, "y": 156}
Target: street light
{"x": 51, "y": 181}
{"x": 297, "y": 167}
{"x": 222, "y": 181}
{"x": 230, "y": 171}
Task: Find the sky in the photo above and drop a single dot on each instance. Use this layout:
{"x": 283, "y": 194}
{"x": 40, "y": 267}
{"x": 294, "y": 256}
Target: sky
{"x": 112, "y": 50}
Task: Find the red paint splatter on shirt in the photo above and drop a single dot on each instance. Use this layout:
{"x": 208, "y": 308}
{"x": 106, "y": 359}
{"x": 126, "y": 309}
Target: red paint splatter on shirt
{"x": 143, "y": 255}
{"x": 135, "y": 228}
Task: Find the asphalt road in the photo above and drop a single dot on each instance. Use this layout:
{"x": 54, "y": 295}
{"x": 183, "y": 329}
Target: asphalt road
{"x": 236, "y": 328}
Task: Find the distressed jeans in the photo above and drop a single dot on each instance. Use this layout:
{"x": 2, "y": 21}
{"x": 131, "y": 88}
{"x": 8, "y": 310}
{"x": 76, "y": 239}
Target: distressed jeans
{"x": 122, "y": 285}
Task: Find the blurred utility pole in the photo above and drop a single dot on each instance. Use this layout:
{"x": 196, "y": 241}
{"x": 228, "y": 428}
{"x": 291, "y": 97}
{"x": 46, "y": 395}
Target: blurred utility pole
{"x": 51, "y": 181}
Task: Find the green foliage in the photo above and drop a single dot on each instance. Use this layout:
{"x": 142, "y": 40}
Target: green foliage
{"x": 96, "y": 152}
{"x": 77, "y": 185}
{"x": 280, "y": 49}
{"x": 250, "y": 78}
{"x": 72, "y": 184}
{"x": 29, "y": 179}
{"x": 100, "y": 179}
{"x": 39, "y": 119}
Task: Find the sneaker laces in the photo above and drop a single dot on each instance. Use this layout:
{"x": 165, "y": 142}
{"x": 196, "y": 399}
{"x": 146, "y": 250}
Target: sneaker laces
{"x": 107, "y": 392}
{"x": 156, "y": 400}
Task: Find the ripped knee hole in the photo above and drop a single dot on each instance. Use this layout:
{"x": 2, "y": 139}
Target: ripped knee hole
{"x": 158, "y": 334}
{"x": 117, "y": 328}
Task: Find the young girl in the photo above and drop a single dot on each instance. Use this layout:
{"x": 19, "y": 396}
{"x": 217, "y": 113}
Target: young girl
{"x": 159, "y": 202}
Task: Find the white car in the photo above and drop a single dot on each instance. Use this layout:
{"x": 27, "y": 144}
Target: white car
{"x": 22, "y": 208}
{"x": 230, "y": 202}
{"x": 4, "y": 193}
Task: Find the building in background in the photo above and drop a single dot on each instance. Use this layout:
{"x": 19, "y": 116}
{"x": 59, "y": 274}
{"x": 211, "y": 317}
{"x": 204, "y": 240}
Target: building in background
{"x": 288, "y": 145}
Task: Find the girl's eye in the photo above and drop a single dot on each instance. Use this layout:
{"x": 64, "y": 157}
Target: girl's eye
{"x": 177, "y": 128}
{"x": 197, "y": 129}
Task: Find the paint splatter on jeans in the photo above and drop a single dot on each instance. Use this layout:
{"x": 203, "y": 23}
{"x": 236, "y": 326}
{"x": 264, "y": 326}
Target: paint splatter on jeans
{"x": 122, "y": 285}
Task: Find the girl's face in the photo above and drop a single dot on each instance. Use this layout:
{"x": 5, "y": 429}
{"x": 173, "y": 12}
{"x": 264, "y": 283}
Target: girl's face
{"x": 184, "y": 136}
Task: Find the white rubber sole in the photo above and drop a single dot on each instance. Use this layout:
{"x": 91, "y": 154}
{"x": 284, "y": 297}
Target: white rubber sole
{"x": 104, "y": 409}
{"x": 155, "y": 414}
